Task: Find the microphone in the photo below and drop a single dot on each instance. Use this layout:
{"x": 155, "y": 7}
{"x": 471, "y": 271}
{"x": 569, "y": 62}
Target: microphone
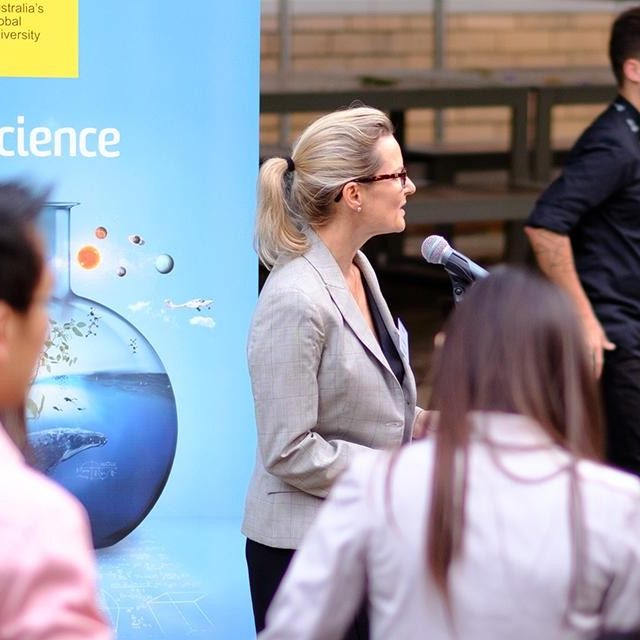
{"x": 436, "y": 250}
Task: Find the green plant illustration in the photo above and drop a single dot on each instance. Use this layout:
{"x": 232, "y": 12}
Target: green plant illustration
{"x": 58, "y": 351}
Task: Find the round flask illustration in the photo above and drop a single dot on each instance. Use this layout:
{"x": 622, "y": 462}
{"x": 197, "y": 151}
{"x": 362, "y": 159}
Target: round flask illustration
{"x": 101, "y": 411}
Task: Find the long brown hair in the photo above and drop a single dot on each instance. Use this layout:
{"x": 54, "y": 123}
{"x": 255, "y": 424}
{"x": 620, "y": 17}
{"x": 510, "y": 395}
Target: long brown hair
{"x": 513, "y": 345}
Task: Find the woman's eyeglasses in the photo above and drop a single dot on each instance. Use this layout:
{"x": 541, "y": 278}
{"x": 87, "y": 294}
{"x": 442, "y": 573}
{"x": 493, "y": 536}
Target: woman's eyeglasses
{"x": 384, "y": 176}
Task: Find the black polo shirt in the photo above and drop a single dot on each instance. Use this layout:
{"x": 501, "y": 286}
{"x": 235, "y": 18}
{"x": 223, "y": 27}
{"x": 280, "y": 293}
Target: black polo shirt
{"x": 596, "y": 201}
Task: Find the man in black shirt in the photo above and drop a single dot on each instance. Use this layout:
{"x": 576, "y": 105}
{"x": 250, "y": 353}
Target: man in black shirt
{"x": 585, "y": 233}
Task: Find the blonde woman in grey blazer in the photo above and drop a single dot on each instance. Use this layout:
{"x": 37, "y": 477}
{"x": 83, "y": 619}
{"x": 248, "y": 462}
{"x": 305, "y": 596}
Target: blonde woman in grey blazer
{"x": 329, "y": 366}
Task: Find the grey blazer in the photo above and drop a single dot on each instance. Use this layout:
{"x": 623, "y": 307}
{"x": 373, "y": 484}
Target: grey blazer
{"x": 322, "y": 388}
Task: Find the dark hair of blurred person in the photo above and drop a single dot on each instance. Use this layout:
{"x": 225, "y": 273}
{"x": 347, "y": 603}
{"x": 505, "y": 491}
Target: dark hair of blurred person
{"x": 21, "y": 269}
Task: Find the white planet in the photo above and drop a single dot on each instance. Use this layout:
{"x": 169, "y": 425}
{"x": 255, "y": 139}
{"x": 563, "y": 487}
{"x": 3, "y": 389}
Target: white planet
{"x": 164, "y": 263}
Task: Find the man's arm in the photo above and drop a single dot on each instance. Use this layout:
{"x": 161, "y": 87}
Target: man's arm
{"x": 555, "y": 258}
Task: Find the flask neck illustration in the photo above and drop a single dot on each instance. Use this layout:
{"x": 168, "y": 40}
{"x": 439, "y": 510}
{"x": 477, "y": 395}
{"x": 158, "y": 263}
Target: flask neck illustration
{"x": 85, "y": 335}
{"x": 54, "y": 223}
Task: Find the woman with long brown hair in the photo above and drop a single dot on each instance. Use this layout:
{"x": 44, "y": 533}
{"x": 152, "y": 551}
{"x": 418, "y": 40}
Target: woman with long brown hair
{"x": 500, "y": 524}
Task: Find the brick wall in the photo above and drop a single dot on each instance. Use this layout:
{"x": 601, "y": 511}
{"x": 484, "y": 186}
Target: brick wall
{"x": 366, "y": 43}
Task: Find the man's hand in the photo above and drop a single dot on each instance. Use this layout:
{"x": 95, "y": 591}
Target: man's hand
{"x": 555, "y": 257}
{"x": 597, "y": 342}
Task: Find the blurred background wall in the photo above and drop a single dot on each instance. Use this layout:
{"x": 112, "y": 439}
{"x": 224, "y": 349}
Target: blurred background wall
{"x": 364, "y": 36}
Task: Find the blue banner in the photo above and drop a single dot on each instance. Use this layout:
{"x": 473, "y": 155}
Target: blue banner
{"x": 143, "y": 118}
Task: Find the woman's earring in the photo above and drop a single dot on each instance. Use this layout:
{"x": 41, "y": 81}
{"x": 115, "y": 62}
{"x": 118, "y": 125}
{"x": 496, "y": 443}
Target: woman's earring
{"x": 359, "y": 209}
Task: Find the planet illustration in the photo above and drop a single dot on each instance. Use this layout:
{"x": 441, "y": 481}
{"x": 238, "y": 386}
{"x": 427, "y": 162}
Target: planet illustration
{"x": 121, "y": 272}
{"x": 101, "y": 233}
{"x": 135, "y": 239}
{"x": 88, "y": 257}
{"x": 164, "y": 263}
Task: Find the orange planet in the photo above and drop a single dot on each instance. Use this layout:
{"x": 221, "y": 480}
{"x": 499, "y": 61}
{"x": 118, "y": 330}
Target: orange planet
{"x": 88, "y": 257}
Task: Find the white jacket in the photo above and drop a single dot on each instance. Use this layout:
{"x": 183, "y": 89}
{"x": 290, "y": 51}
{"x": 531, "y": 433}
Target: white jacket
{"x": 514, "y": 576}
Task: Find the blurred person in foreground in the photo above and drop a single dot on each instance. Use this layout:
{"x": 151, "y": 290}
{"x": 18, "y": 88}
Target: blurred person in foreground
{"x": 329, "y": 367}
{"x": 502, "y": 523}
{"x": 585, "y": 233}
{"x": 47, "y": 567}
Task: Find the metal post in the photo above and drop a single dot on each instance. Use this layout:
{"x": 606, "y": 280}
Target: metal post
{"x": 284, "y": 63}
{"x": 439, "y": 35}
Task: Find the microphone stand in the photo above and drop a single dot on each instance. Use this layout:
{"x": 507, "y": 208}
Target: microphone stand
{"x": 459, "y": 286}
{"x": 460, "y": 276}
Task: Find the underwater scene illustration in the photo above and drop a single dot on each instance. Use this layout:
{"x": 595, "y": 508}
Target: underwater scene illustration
{"x": 101, "y": 411}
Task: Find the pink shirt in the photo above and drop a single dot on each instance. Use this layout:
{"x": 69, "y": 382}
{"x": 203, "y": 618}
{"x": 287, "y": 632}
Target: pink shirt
{"x": 47, "y": 566}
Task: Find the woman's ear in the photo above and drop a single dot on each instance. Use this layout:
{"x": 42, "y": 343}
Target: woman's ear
{"x": 352, "y": 196}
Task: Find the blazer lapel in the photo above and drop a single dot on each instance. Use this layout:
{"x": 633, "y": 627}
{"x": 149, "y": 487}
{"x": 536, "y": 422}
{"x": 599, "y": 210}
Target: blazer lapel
{"x": 324, "y": 263}
{"x": 372, "y": 282}
{"x": 367, "y": 272}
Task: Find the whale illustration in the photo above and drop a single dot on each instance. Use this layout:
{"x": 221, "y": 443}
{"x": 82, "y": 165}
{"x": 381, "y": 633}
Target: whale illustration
{"x": 50, "y": 447}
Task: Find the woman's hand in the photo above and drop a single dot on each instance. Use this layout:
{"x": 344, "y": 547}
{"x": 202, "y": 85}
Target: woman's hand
{"x": 420, "y": 424}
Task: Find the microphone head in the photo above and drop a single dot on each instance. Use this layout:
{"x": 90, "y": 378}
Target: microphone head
{"x": 434, "y": 249}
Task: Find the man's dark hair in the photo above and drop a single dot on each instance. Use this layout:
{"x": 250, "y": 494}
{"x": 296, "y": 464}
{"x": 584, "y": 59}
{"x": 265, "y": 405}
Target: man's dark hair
{"x": 625, "y": 41}
{"x": 21, "y": 261}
